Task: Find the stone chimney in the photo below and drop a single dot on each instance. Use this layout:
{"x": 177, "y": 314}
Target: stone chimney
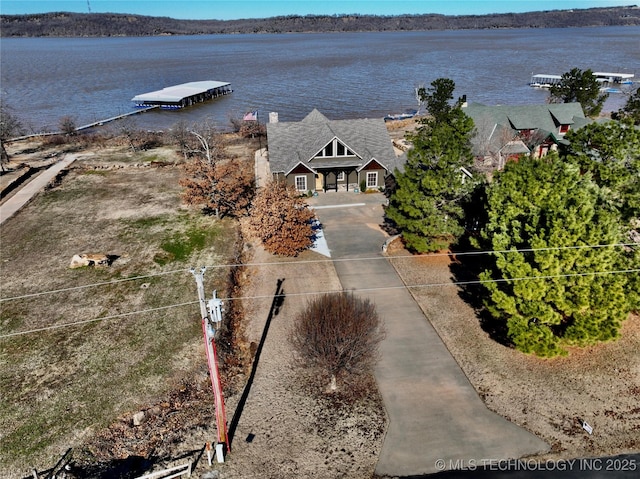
{"x": 273, "y": 117}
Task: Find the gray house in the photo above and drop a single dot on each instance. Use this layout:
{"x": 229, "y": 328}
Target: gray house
{"x": 318, "y": 154}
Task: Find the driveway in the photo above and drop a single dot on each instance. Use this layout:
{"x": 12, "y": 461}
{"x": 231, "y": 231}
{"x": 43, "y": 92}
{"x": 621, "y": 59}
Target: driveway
{"x": 436, "y": 418}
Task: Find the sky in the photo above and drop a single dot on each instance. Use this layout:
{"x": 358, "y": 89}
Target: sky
{"x": 236, "y": 9}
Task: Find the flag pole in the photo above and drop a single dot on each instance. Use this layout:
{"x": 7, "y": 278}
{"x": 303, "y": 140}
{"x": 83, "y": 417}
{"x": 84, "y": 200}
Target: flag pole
{"x": 259, "y": 135}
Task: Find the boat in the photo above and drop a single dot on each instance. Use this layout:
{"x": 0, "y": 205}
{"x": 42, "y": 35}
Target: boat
{"x": 401, "y": 116}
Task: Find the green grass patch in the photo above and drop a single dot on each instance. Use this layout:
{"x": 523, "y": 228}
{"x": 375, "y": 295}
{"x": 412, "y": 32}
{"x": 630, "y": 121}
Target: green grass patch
{"x": 180, "y": 246}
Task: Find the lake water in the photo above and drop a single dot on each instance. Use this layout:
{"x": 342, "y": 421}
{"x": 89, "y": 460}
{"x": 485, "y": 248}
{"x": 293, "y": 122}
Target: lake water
{"x": 344, "y": 75}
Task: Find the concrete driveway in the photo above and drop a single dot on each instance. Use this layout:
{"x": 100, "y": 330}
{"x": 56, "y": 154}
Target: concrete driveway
{"x": 436, "y": 419}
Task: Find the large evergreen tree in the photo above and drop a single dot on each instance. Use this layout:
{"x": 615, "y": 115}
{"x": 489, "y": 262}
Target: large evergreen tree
{"x": 611, "y": 153}
{"x": 582, "y": 87}
{"x": 426, "y": 205}
{"x": 547, "y": 283}
{"x": 631, "y": 109}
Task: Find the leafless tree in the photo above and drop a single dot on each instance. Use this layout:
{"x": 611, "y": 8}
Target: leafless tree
{"x": 67, "y": 126}
{"x": 338, "y": 333}
{"x": 225, "y": 187}
{"x": 10, "y": 126}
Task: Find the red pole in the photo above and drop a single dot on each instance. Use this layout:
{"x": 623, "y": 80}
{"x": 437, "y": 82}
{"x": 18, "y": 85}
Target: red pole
{"x": 212, "y": 360}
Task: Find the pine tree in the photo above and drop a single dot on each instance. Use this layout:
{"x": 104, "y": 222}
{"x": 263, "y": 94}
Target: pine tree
{"x": 545, "y": 282}
{"x": 611, "y": 153}
{"x": 426, "y": 205}
{"x": 582, "y": 87}
{"x": 631, "y": 109}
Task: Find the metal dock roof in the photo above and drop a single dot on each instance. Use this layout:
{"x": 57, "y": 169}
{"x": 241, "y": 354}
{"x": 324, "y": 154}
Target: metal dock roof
{"x": 174, "y": 94}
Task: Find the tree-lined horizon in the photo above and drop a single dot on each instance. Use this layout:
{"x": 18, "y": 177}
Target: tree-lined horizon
{"x": 66, "y": 24}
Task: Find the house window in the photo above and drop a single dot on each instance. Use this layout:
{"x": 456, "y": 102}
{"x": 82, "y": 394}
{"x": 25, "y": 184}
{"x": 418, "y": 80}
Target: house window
{"x": 372, "y": 179}
{"x": 301, "y": 183}
{"x": 328, "y": 150}
{"x": 334, "y": 149}
{"x": 340, "y": 176}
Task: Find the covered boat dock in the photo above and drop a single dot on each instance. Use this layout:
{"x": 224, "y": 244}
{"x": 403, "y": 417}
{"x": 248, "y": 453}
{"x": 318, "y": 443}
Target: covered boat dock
{"x": 180, "y": 96}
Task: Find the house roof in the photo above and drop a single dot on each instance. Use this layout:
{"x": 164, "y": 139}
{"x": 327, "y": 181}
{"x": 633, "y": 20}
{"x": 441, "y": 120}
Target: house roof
{"x": 290, "y": 143}
{"x": 528, "y": 117}
{"x": 178, "y": 92}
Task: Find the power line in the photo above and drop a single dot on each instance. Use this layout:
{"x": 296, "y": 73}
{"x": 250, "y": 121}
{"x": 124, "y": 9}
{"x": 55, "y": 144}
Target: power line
{"x": 103, "y": 318}
{"x": 314, "y": 293}
{"x": 336, "y": 260}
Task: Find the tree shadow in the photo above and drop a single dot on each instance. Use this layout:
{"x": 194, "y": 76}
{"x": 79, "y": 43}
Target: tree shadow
{"x": 276, "y": 304}
{"x": 466, "y": 271}
{"x": 131, "y": 466}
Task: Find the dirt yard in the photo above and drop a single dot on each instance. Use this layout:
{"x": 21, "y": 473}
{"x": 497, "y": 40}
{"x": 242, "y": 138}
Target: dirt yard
{"x": 552, "y": 397}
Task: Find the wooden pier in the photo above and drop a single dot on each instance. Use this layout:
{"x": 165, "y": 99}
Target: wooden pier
{"x": 118, "y": 117}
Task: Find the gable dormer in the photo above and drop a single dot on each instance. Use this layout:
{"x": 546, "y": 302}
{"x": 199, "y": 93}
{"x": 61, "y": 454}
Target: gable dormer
{"x": 335, "y": 149}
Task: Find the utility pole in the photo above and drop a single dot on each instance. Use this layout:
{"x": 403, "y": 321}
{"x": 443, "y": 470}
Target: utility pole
{"x": 211, "y": 312}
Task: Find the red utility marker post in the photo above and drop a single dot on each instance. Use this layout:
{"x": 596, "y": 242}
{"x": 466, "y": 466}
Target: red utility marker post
{"x": 211, "y": 313}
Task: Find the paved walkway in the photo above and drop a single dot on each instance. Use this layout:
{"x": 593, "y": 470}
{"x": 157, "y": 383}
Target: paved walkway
{"x": 434, "y": 412}
{"x": 25, "y": 193}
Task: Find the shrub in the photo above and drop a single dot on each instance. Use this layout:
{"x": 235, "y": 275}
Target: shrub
{"x": 338, "y": 333}
{"x": 280, "y": 218}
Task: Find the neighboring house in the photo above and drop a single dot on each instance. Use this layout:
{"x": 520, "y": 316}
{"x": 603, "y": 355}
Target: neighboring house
{"x": 505, "y": 132}
{"x": 318, "y": 154}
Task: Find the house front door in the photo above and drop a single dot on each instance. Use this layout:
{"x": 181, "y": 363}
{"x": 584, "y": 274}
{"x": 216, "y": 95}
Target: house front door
{"x": 319, "y": 181}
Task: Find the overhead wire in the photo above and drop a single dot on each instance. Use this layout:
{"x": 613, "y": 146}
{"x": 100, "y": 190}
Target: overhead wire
{"x": 313, "y": 293}
{"x": 330, "y": 260}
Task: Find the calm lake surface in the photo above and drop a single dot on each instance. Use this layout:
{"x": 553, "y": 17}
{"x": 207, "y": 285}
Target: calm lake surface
{"x": 344, "y": 75}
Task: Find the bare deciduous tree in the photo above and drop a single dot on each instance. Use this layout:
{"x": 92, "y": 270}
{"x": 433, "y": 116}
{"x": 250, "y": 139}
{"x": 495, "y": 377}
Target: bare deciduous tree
{"x": 338, "y": 333}
{"x": 10, "y": 126}
{"x": 281, "y": 220}
{"x": 68, "y": 126}
{"x": 226, "y": 186}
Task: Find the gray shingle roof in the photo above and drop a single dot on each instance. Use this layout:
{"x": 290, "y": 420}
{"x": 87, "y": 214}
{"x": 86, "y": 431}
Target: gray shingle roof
{"x": 527, "y": 117}
{"x": 291, "y": 143}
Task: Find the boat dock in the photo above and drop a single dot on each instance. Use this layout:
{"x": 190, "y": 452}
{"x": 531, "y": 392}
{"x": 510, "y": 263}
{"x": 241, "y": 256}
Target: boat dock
{"x": 606, "y": 79}
{"x": 185, "y": 94}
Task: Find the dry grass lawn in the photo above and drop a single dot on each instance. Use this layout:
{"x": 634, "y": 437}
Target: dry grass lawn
{"x": 59, "y": 386}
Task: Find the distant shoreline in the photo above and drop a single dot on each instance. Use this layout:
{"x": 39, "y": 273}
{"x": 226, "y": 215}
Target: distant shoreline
{"x": 65, "y": 24}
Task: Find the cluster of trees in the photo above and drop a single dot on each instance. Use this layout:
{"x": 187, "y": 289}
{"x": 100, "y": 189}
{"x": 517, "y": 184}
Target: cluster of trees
{"x": 563, "y": 269}
{"x": 278, "y": 215}
{"x": 63, "y": 24}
